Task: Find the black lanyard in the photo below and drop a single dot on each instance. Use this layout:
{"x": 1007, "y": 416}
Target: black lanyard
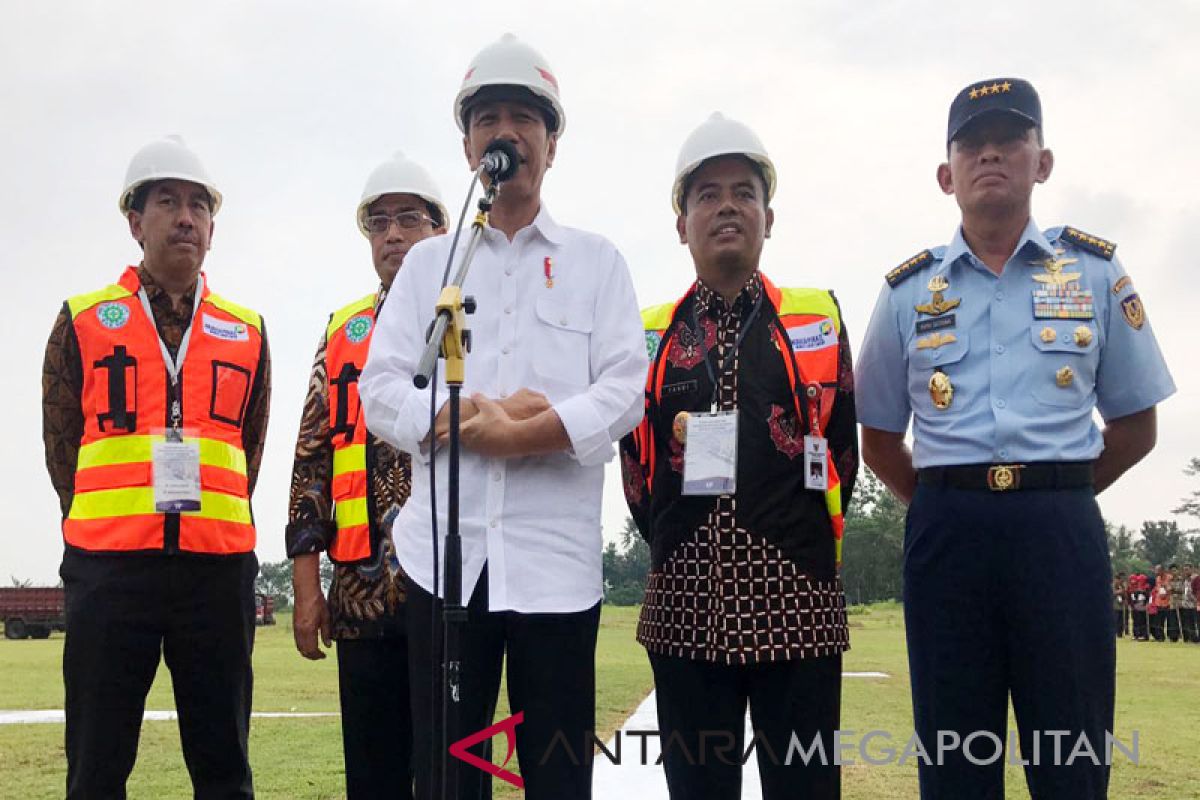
{"x": 699, "y": 332}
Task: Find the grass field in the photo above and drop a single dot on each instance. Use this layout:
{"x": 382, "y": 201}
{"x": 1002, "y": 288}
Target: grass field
{"x": 1158, "y": 694}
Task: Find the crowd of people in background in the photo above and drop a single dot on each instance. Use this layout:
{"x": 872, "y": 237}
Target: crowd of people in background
{"x": 1161, "y": 606}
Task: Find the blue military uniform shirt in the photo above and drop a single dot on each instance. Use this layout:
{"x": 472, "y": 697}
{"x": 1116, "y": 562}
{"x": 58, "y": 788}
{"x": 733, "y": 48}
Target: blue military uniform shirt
{"x": 1028, "y": 359}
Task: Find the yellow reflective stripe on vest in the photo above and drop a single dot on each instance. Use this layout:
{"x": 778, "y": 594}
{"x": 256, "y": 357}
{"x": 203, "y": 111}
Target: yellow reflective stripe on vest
{"x": 247, "y": 316}
{"x": 349, "y": 459}
{"x": 351, "y": 512}
{"x": 136, "y": 449}
{"x": 343, "y": 314}
{"x": 833, "y": 500}
{"x": 82, "y": 302}
{"x": 657, "y": 318}
{"x": 108, "y": 503}
{"x": 809, "y": 301}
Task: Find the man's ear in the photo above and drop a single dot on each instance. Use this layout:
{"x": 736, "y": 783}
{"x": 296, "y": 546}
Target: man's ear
{"x": 135, "y": 225}
{"x": 945, "y": 179}
{"x": 467, "y": 153}
{"x": 681, "y": 227}
{"x": 551, "y": 149}
{"x": 212, "y": 226}
{"x": 770, "y": 220}
{"x": 1045, "y": 165}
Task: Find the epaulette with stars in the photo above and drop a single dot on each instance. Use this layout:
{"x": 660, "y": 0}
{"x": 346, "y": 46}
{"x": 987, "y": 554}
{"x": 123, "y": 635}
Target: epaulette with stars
{"x": 1093, "y": 244}
{"x": 897, "y": 276}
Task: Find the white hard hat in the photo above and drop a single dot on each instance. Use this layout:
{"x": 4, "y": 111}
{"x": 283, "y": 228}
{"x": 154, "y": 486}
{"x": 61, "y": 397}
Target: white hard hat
{"x": 398, "y": 175}
{"x": 511, "y": 62}
{"x": 164, "y": 159}
{"x": 718, "y": 136}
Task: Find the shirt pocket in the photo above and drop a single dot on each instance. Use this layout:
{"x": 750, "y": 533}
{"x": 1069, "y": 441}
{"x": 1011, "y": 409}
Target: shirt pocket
{"x": 1064, "y": 369}
{"x": 562, "y": 345}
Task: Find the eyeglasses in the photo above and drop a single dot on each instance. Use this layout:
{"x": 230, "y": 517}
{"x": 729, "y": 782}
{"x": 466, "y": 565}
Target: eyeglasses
{"x": 407, "y": 220}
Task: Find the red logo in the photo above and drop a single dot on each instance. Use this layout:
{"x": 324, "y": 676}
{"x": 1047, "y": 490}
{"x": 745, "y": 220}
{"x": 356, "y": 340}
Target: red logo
{"x": 508, "y": 726}
{"x": 549, "y": 78}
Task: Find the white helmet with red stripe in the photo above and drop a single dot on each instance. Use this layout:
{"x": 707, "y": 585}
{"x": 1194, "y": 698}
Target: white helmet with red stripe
{"x": 510, "y": 64}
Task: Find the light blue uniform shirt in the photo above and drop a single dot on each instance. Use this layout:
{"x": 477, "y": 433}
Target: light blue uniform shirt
{"x": 1008, "y": 404}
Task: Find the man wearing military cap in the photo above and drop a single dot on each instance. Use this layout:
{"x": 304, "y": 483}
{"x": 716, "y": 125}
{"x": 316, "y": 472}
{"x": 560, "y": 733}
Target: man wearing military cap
{"x": 999, "y": 346}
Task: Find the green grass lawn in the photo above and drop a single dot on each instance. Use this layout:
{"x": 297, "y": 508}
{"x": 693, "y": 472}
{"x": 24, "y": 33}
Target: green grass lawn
{"x": 1158, "y": 694}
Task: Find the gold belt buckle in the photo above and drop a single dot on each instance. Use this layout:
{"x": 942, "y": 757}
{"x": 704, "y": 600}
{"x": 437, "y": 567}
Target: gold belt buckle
{"x": 1004, "y": 477}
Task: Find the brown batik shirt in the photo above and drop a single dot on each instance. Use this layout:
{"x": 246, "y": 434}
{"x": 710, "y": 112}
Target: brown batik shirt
{"x": 726, "y": 593}
{"x": 62, "y": 389}
{"x": 365, "y": 600}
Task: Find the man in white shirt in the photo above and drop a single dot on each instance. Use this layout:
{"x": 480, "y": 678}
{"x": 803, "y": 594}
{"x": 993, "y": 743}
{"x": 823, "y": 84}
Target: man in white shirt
{"x": 555, "y": 378}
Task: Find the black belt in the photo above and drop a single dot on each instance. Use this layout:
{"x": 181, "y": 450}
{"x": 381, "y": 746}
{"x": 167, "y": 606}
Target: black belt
{"x": 1011, "y": 477}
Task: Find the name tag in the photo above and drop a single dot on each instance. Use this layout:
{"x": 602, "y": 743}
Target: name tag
{"x": 816, "y": 452}
{"x": 224, "y": 330}
{"x": 710, "y": 454}
{"x": 176, "y": 471}
{"x": 813, "y": 336}
{"x": 935, "y": 323}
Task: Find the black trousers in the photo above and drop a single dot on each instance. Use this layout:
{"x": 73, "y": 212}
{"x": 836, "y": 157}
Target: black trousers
{"x": 1158, "y": 623}
{"x": 1119, "y": 620}
{"x": 122, "y": 613}
{"x": 1140, "y": 626}
{"x": 701, "y": 724}
{"x": 1009, "y": 594}
{"x": 1172, "y": 623}
{"x": 376, "y": 717}
{"x": 551, "y": 677}
{"x": 1190, "y": 632}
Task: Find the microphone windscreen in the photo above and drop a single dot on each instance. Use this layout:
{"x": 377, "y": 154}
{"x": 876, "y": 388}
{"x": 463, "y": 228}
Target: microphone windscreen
{"x": 510, "y": 153}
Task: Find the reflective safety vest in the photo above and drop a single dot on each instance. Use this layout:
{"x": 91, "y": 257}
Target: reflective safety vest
{"x": 807, "y": 331}
{"x": 125, "y": 404}
{"x": 347, "y": 339}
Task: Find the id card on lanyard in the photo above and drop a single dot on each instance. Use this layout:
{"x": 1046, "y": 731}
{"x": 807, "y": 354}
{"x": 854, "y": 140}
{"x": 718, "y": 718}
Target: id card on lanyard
{"x": 175, "y": 459}
{"x": 710, "y": 449}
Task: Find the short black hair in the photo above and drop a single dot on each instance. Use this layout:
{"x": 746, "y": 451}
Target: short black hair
{"x": 140, "y": 194}
{"x": 691, "y": 178}
{"x": 505, "y": 93}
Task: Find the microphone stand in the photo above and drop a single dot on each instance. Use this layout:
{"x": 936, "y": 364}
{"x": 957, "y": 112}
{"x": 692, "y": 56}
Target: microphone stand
{"x": 450, "y": 337}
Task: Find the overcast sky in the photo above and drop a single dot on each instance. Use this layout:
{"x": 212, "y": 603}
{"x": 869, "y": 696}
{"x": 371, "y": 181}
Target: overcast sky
{"x": 292, "y": 104}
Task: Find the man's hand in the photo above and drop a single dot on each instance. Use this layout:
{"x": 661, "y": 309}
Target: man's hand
{"x": 491, "y": 431}
{"x": 311, "y": 614}
{"x": 525, "y": 404}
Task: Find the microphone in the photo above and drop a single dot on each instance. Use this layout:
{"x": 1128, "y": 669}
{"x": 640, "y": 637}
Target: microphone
{"x": 500, "y": 160}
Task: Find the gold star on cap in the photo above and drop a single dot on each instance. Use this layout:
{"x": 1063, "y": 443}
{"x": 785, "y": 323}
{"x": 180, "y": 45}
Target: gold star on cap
{"x": 973, "y": 94}
{"x": 1006, "y": 86}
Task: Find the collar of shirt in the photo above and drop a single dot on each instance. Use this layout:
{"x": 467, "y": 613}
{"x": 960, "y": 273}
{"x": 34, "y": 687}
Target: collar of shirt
{"x": 1032, "y": 235}
{"x": 158, "y": 295}
{"x": 714, "y": 304}
{"x": 543, "y": 225}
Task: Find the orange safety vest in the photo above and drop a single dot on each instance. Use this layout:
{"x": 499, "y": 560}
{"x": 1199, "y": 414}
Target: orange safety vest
{"x": 347, "y": 338}
{"x": 125, "y": 403}
{"x": 808, "y": 330}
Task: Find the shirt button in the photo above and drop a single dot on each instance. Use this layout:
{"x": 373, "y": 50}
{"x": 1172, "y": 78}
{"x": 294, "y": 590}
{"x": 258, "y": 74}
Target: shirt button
{"x": 506, "y": 350}
{"x": 508, "y": 271}
{"x": 999, "y": 296}
{"x": 1000, "y": 403}
{"x": 495, "y": 476}
{"x": 1004, "y": 454}
{"x": 562, "y": 321}
{"x": 999, "y": 348}
{"x": 508, "y": 309}
{"x": 494, "y": 523}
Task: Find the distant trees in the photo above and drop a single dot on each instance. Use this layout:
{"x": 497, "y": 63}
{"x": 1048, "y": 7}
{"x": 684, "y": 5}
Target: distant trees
{"x": 873, "y": 543}
{"x": 626, "y": 567}
{"x": 275, "y": 580}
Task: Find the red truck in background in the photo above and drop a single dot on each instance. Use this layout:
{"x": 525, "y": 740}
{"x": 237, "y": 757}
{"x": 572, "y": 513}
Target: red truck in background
{"x": 32, "y": 612}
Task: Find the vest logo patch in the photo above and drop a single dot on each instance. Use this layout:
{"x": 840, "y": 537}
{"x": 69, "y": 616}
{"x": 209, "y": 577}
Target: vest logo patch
{"x": 358, "y": 328}
{"x": 226, "y": 331}
{"x": 653, "y": 338}
{"x": 112, "y": 315}
{"x": 813, "y": 336}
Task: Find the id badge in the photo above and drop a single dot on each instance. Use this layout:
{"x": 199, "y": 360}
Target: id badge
{"x": 176, "y": 472}
{"x": 710, "y": 454}
{"x": 816, "y": 453}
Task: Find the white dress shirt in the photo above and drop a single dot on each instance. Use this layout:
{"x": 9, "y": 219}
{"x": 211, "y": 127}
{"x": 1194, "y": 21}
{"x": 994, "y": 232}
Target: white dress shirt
{"x": 535, "y": 521}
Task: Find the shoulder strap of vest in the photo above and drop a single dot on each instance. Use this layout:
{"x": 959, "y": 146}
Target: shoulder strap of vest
{"x": 82, "y": 302}
{"x": 346, "y": 312}
{"x": 241, "y": 312}
{"x": 818, "y": 302}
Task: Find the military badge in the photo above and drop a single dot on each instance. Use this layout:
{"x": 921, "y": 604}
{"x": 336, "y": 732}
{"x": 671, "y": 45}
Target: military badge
{"x": 1133, "y": 311}
{"x": 1048, "y": 334}
{"x": 941, "y": 391}
{"x": 1083, "y": 336}
{"x": 1064, "y": 377}
{"x": 358, "y": 328}
{"x": 112, "y": 315}
{"x": 935, "y": 340}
